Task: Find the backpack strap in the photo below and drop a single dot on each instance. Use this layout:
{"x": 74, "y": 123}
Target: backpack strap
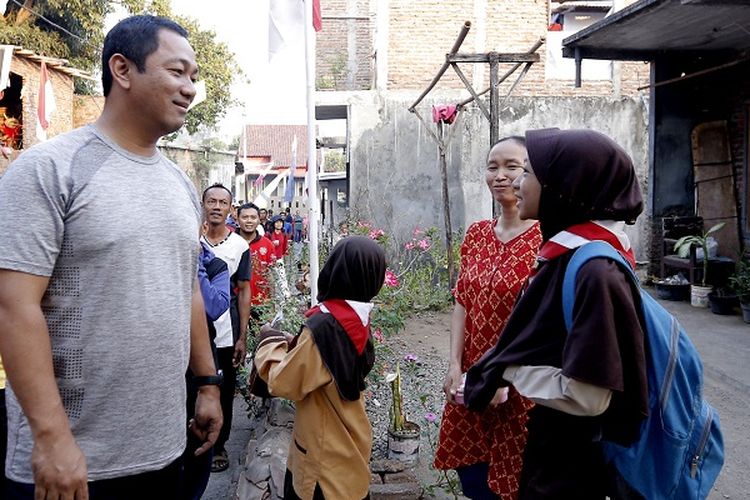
{"x": 593, "y": 250}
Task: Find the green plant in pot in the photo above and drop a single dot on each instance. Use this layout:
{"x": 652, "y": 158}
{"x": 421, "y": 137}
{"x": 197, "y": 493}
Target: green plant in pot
{"x": 740, "y": 283}
{"x": 698, "y": 292}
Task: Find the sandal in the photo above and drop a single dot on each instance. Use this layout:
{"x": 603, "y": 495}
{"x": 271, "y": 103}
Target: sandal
{"x": 220, "y": 461}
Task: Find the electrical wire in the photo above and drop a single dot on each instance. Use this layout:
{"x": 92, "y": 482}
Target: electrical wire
{"x": 54, "y": 24}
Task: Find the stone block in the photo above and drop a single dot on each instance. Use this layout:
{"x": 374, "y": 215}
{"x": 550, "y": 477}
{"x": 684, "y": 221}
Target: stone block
{"x": 395, "y": 491}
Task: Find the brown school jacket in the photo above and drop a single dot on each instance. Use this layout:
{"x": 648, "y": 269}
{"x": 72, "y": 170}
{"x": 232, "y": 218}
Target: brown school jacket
{"x": 332, "y": 438}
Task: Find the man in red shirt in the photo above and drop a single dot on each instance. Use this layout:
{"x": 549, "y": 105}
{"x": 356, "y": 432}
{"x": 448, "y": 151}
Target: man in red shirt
{"x": 261, "y": 254}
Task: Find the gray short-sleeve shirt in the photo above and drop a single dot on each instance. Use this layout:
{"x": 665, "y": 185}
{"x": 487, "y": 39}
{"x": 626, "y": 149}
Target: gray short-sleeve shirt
{"x": 117, "y": 234}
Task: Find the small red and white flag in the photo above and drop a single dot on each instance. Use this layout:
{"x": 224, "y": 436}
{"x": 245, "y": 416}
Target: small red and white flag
{"x": 46, "y": 105}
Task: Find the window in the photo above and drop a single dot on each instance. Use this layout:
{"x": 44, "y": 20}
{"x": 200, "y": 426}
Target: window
{"x": 567, "y": 18}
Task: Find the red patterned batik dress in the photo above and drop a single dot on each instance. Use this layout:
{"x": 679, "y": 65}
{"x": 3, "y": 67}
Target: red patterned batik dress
{"x": 492, "y": 273}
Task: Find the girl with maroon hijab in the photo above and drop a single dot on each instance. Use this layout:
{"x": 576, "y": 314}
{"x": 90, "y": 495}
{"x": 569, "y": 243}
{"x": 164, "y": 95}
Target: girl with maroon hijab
{"x": 589, "y": 383}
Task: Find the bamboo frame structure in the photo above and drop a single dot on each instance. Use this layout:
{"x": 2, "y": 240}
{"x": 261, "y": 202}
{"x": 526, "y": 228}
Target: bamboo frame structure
{"x": 452, "y": 59}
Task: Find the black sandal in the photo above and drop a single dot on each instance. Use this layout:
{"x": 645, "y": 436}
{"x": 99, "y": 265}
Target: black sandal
{"x": 220, "y": 462}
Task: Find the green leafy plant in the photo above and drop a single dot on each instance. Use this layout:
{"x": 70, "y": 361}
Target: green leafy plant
{"x": 740, "y": 281}
{"x": 682, "y": 246}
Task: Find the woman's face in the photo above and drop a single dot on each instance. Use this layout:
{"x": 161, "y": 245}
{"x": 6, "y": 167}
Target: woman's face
{"x": 528, "y": 191}
{"x": 504, "y": 164}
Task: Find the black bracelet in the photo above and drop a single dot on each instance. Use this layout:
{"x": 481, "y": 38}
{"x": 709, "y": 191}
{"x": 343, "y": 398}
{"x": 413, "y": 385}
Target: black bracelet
{"x": 217, "y": 379}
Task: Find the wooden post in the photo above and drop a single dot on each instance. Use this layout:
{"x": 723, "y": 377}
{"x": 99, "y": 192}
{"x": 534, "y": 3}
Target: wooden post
{"x": 446, "y": 203}
{"x": 494, "y": 110}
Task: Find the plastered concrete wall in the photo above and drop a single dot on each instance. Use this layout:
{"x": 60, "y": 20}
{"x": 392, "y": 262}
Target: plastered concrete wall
{"x": 395, "y": 178}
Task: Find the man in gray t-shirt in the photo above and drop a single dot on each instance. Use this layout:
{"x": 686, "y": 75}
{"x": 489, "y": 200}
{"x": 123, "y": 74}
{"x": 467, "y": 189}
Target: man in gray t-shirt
{"x": 100, "y": 317}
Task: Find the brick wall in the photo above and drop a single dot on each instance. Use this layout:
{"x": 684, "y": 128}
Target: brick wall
{"x": 62, "y": 86}
{"x": 420, "y": 32}
{"x": 86, "y": 109}
{"x": 344, "y": 47}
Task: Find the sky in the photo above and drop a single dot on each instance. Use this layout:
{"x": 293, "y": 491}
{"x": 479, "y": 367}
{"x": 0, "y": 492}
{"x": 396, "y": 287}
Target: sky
{"x": 275, "y": 93}
{"x": 269, "y": 92}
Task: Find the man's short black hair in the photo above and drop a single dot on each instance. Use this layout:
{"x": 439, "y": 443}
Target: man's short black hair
{"x": 218, "y": 185}
{"x": 248, "y": 206}
{"x": 136, "y": 38}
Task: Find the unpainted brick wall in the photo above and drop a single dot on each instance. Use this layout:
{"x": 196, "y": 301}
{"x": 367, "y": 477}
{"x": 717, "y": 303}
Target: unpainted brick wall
{"x": 86, "y": 109}
{"x": 422, "y": 31}
{"x": 337, "y": 68}
{"x": 62, "y": 87}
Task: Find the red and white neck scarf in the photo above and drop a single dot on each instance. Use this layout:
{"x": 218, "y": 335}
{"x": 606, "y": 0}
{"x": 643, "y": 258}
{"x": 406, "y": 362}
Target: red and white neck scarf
{"x": 580, "y": 234}
{"x": 353, "y": 316}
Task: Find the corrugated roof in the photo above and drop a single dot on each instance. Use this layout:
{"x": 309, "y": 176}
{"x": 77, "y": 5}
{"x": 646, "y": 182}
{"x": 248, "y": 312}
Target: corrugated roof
{"x": 60, "y": 65}
{"x": 276, "y": 141}
{"x": 650, "y": 28}
{"x": 577, "y": 4}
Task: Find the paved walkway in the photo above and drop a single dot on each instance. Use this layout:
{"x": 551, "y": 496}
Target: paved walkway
{"x": 222, "y": 485}
{"x": 724, "y": 345}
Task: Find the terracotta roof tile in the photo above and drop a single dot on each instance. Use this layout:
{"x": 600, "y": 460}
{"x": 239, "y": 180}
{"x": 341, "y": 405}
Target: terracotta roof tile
{"x": 276, "y": 141}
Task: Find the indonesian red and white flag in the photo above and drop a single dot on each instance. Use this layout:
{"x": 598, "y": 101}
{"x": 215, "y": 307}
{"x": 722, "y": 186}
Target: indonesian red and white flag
{"x": 46, "y": 105}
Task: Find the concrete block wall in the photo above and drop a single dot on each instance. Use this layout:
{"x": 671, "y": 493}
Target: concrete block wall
{"x": 394, "y": 176}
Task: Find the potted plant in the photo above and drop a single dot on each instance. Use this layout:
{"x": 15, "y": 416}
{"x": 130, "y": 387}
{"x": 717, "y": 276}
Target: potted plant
{"x": 698, "y": 292}
{"x": 723, "y": 300}
{"x": 741, "y": 285}
{"x": 675, "y": 287}
{"x": 403, "y": 435}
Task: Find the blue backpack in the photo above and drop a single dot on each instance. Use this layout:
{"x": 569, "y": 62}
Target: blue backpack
{"x": 680, "y": 450}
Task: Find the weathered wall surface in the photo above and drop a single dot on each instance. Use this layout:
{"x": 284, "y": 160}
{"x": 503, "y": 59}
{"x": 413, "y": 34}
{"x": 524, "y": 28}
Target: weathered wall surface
{"x": 204, "y": 168}
{"x": 395, "y": 180}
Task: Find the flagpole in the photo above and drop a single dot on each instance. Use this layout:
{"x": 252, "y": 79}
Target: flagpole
{"x": 312, "y": 163}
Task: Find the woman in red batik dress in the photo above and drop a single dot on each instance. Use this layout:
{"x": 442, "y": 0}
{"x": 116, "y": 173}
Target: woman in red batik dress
{"x": 486, "y": 447}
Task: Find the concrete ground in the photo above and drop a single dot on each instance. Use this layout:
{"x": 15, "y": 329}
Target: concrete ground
{"x": 724, "y": 345}
{"x": 222, "y": 485}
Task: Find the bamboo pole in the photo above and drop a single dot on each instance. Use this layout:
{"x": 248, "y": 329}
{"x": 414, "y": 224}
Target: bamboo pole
{"x": 446, "y": 203}
{"x": 457, "y": 45}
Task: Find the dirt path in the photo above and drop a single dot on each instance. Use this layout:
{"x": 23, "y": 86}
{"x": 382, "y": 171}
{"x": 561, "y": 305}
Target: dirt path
{"x": 429, "y": 334}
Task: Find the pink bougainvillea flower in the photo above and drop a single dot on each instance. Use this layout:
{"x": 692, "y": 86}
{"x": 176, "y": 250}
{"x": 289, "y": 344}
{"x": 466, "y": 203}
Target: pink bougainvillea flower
{"x": 410, "y": 245}
{"x": 411, "y": 358}
{"x": 376, "y": 233}
{"x": 391, "y": 280}
{"x": 430, "y": 417}
{"x": 378, "y": 335}
{"x": 364, "y": 223}
{"x": 423, "y": 244}
{"x": 417, "y": 231}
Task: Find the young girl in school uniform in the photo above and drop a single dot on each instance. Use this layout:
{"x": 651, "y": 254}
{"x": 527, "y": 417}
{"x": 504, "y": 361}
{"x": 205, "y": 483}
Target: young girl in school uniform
{"x": 588, "y": 383}
{"x": 323, "y": 371}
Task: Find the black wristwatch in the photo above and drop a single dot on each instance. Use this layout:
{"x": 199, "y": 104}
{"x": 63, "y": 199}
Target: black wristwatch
{"x": 217, "y": 379}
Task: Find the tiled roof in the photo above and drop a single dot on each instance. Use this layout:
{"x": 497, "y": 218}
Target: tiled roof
{"x": 276, "y": 141}
{"x": 61, "y": 65}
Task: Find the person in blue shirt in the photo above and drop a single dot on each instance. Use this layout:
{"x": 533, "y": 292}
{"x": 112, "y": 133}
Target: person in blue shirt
{"x": 213, "y": 279}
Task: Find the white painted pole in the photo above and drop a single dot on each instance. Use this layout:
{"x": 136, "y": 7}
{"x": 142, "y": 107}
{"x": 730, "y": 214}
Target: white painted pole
{"x": 312, "y": 164}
